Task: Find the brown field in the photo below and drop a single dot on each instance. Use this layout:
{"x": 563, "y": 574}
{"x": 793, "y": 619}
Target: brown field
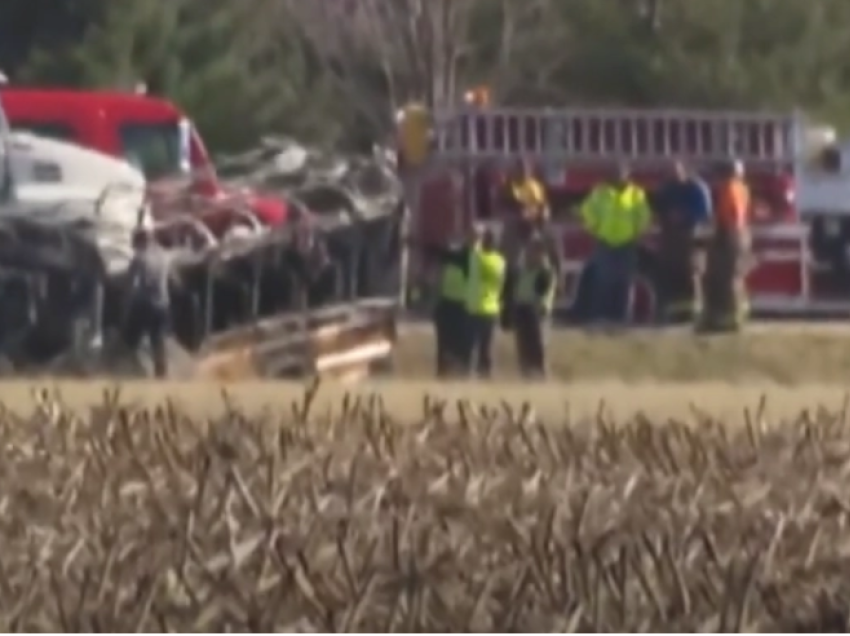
{"x": 626, "y": 503}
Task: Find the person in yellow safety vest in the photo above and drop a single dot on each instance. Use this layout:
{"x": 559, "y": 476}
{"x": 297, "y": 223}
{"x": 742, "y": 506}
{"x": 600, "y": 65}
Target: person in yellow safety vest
{"x": 616, "y": 215}
{"x": 487, "y": 272}
{"x": 533, "y": 298}
{"x": 450, "y": 316}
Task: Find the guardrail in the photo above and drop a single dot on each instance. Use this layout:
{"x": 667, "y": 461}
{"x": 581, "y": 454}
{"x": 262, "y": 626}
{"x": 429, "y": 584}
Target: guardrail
{"x": 343, "y": 341}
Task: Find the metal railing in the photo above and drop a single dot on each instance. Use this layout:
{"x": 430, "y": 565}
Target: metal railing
{"x": 576, "y": 134}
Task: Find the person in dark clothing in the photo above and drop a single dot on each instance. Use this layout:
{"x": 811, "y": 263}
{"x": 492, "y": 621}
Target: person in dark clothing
{"x": 533, "y": 296}
{"x": 315, "y": 278}
{"x": 683, "y": 206}
{"x": 149, "y": 277}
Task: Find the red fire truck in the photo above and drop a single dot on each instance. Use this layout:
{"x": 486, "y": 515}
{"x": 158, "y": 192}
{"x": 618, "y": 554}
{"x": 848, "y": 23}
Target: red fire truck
{"x": 149, "y": 132}
{"x": 576, "y": 148}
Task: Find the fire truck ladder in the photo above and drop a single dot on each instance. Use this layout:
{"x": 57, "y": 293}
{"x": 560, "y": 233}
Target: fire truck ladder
{"x": 601, "y": 135}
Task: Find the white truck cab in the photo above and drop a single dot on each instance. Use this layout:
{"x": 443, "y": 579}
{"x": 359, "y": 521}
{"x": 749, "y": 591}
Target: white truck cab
{"x": 823, "y": 182}
{"x": 62, "y": 183}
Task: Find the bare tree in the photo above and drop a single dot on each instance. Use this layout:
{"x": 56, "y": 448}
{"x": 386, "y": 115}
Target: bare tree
{"x": 381, "y": 53}
{"x": 533, "y": 42}
{"x": 416, "y": 44}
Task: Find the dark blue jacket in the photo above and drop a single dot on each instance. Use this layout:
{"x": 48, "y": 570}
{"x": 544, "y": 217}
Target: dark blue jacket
{"x": 690, "y": 198}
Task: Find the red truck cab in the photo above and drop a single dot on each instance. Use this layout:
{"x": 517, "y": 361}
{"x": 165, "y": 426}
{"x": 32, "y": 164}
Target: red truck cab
{"x": 149, "y": 132}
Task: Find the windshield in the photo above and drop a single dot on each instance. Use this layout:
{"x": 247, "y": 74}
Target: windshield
{"x": 158, "y": 150}
{"x": 52, "y": 130}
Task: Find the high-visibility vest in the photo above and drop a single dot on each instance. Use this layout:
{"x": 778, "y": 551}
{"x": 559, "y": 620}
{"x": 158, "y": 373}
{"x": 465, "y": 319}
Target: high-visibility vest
{"x": 453, "y": 283}
{"x": 526, "y": 292}
{"x": 414, "y": 134}
{"x": 616, "y": 216}
{"x": 486, "y": 279}
{"x": 733, "y": 204}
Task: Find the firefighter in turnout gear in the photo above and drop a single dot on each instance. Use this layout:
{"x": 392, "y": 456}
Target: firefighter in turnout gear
{"x": 485, "y": 290}
{"x": 525, "y": 196}
{"x": 149, "y": 276}
{"x": 526, "y": 206}
{"x": 533, "y": 298}
{"x": 616, "y": 215}
{"x": 725, "y": 301}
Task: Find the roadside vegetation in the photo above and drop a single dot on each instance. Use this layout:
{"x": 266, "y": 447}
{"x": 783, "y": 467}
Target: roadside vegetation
{"x": 332, "y": 71}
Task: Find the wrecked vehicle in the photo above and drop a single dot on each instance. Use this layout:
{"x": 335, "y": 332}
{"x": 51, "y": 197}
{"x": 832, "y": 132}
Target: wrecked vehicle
{"x": 310, "y": 295}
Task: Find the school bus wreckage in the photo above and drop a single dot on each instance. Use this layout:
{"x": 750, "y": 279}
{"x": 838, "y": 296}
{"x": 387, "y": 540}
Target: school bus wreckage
{"x": 313, "y": 296}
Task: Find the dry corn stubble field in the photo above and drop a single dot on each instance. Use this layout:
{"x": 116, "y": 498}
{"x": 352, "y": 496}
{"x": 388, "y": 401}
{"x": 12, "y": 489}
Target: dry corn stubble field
{"x": 408, "y": 505}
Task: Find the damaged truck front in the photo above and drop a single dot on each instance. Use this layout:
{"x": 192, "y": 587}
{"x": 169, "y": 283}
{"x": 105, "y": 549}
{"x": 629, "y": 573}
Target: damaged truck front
{"x": 295, "y": 300}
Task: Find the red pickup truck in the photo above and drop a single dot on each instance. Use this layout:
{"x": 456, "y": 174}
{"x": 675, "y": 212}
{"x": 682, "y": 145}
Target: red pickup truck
{"x": 149, "y": 132}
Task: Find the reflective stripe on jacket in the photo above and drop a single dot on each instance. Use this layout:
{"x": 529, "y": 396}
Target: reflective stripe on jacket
{"x": 527, "y": 292}
{"x": 453, "y": 283}
{"x": 616, "y": 216}
{"x": 486, "y": 280}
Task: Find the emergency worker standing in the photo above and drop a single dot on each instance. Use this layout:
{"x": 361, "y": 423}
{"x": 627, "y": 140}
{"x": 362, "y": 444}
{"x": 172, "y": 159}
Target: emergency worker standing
{"x": 533, "y": 297}
{"x": 528, "y": 216}
{"x": 682, "y": 207}
{"x": 616, "y": 215}
{"x": 451, "y": 321}
{"x": 526, "y": 196}
{"x": 149, "y": 276}
{"x": 485, "y": 291}
{"x": 450, "y": 318}
{"x": 726, "y": 305}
